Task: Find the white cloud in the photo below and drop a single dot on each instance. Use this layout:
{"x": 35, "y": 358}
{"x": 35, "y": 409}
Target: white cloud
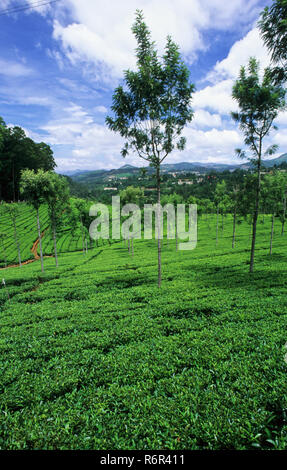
{"x": 281, "y": 120}
{"x": 250, "y": 46}
{"x": 203, "y": 118}
{"x": 216, "y": 98}
{"x": 100, "y": 32}
{"x": 101, "y": 109}
{"x": 96, "y": 38}
{"x": 280, "y": 138}
{"x": 94, "y": 146}
{"x": 14, "y": 69}
{"x": 214, "y": 138}
{"x": 210, "y": 146}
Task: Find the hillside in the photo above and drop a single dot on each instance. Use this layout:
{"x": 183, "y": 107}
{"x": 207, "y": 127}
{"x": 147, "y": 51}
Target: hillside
{"x": 26, "y": 224}
{"x": 90, "y": 177}
{"x": 95, "y": 356}
{"x": 275, "y": 161}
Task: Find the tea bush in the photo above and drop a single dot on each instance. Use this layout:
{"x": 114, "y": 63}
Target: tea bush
{"x": 95, "y": 356}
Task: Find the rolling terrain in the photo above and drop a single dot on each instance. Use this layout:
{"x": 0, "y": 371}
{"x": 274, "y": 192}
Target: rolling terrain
{"x": 95, "y": 356}
{"x": 90, "y": 177}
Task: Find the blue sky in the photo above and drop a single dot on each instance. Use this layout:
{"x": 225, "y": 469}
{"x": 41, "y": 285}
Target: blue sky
{"x": 59, "y": 65}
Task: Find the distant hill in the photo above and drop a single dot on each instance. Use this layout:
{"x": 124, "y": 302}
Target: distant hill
{"x": 187, "y": 166}
{"x": 275, "y": 161}
{"x": 88, "y": 177}
{"x": 127, "y": 167}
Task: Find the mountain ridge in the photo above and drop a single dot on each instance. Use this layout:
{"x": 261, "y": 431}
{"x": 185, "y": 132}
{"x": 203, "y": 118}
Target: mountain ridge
{"x": 181, "y": 166}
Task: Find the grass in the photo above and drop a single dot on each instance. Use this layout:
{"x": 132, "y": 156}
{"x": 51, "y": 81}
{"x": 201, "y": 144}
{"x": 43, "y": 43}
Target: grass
{"x": 95, "y": 356}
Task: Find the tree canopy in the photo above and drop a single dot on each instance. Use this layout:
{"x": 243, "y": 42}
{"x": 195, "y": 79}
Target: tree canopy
{"x": 152, "y": 108}
{"x": 259, "y": 101}
{"x": 273, "y": 28}
{"x": 18, "y": 152}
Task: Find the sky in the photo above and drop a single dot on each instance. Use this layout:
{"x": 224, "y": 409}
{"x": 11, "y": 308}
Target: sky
{"x": 60, "y": 63}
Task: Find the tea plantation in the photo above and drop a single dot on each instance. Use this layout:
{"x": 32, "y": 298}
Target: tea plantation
{"x": 26, "y": 225}
{"x": 95, "y": 356}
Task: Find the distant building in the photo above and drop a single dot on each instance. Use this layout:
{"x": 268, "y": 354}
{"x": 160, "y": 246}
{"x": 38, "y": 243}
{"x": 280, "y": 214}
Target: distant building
{"x": 181, "y": 182}
{"x": 110, "y": 189}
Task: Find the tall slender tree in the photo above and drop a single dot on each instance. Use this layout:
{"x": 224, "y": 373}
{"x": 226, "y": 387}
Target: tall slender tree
{"x": 131, "y": 195}
{"x": 57, "y": 199}
{"x": 35, "y": 188}
{"x": 272, "y": 193}
{"x": 282, "y": 212}
{"x": 234, "y": 198}
{"x": 153, "y": 107}
{"x": 81, "y": 212}
{"x": 2, "y": 239}
{"x": 220, "y": 194}
{"x": 13, "y": 211}
{"x": 259, "y": 101}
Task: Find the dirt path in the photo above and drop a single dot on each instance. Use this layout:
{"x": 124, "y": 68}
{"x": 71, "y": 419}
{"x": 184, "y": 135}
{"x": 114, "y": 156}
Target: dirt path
{"x": 17, "y": 265}
{"x": 34, "y": 248}
{"x": 34, "y": 251}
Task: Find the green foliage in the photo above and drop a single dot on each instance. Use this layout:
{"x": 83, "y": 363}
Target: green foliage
{"x": 69, "y": 235}
{"x": 259, "y": 103}
{"x": 220, "y": 191}
{"x": 247, "y": 197}
{"x": 273, "y": 189}
{"x": 57, "y": 198}
{"x": 18, "y": 152}
{"x": 94, "y": 356}
{"x": 35, "y": 187}
{"x": 153, "y": 107}
{"x": 132, "y": 195}
{"x": 273, "y": 28}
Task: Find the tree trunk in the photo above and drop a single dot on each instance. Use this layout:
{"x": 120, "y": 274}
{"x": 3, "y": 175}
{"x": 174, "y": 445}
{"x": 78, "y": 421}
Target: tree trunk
{"x": 82, "y": 230}
{"x": 222, "y": 222}
{"x": 284, "y": 213}
{"x": 4, "y": 254}
{"x": 217, "y": 217}
{"x": 176, "y": 234}
{"x": 13, "y": 181}
{"x": 234, "y": 228}
{"x": 40, "y": 240}
{"x": 272, "y": 233}
{"x": 158, "y": 226}
{"x": 17, "y": 243}
{"x": 55, "y": 243}
{"x": 132, "y": 247}
{"x": 256, "y": 212}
